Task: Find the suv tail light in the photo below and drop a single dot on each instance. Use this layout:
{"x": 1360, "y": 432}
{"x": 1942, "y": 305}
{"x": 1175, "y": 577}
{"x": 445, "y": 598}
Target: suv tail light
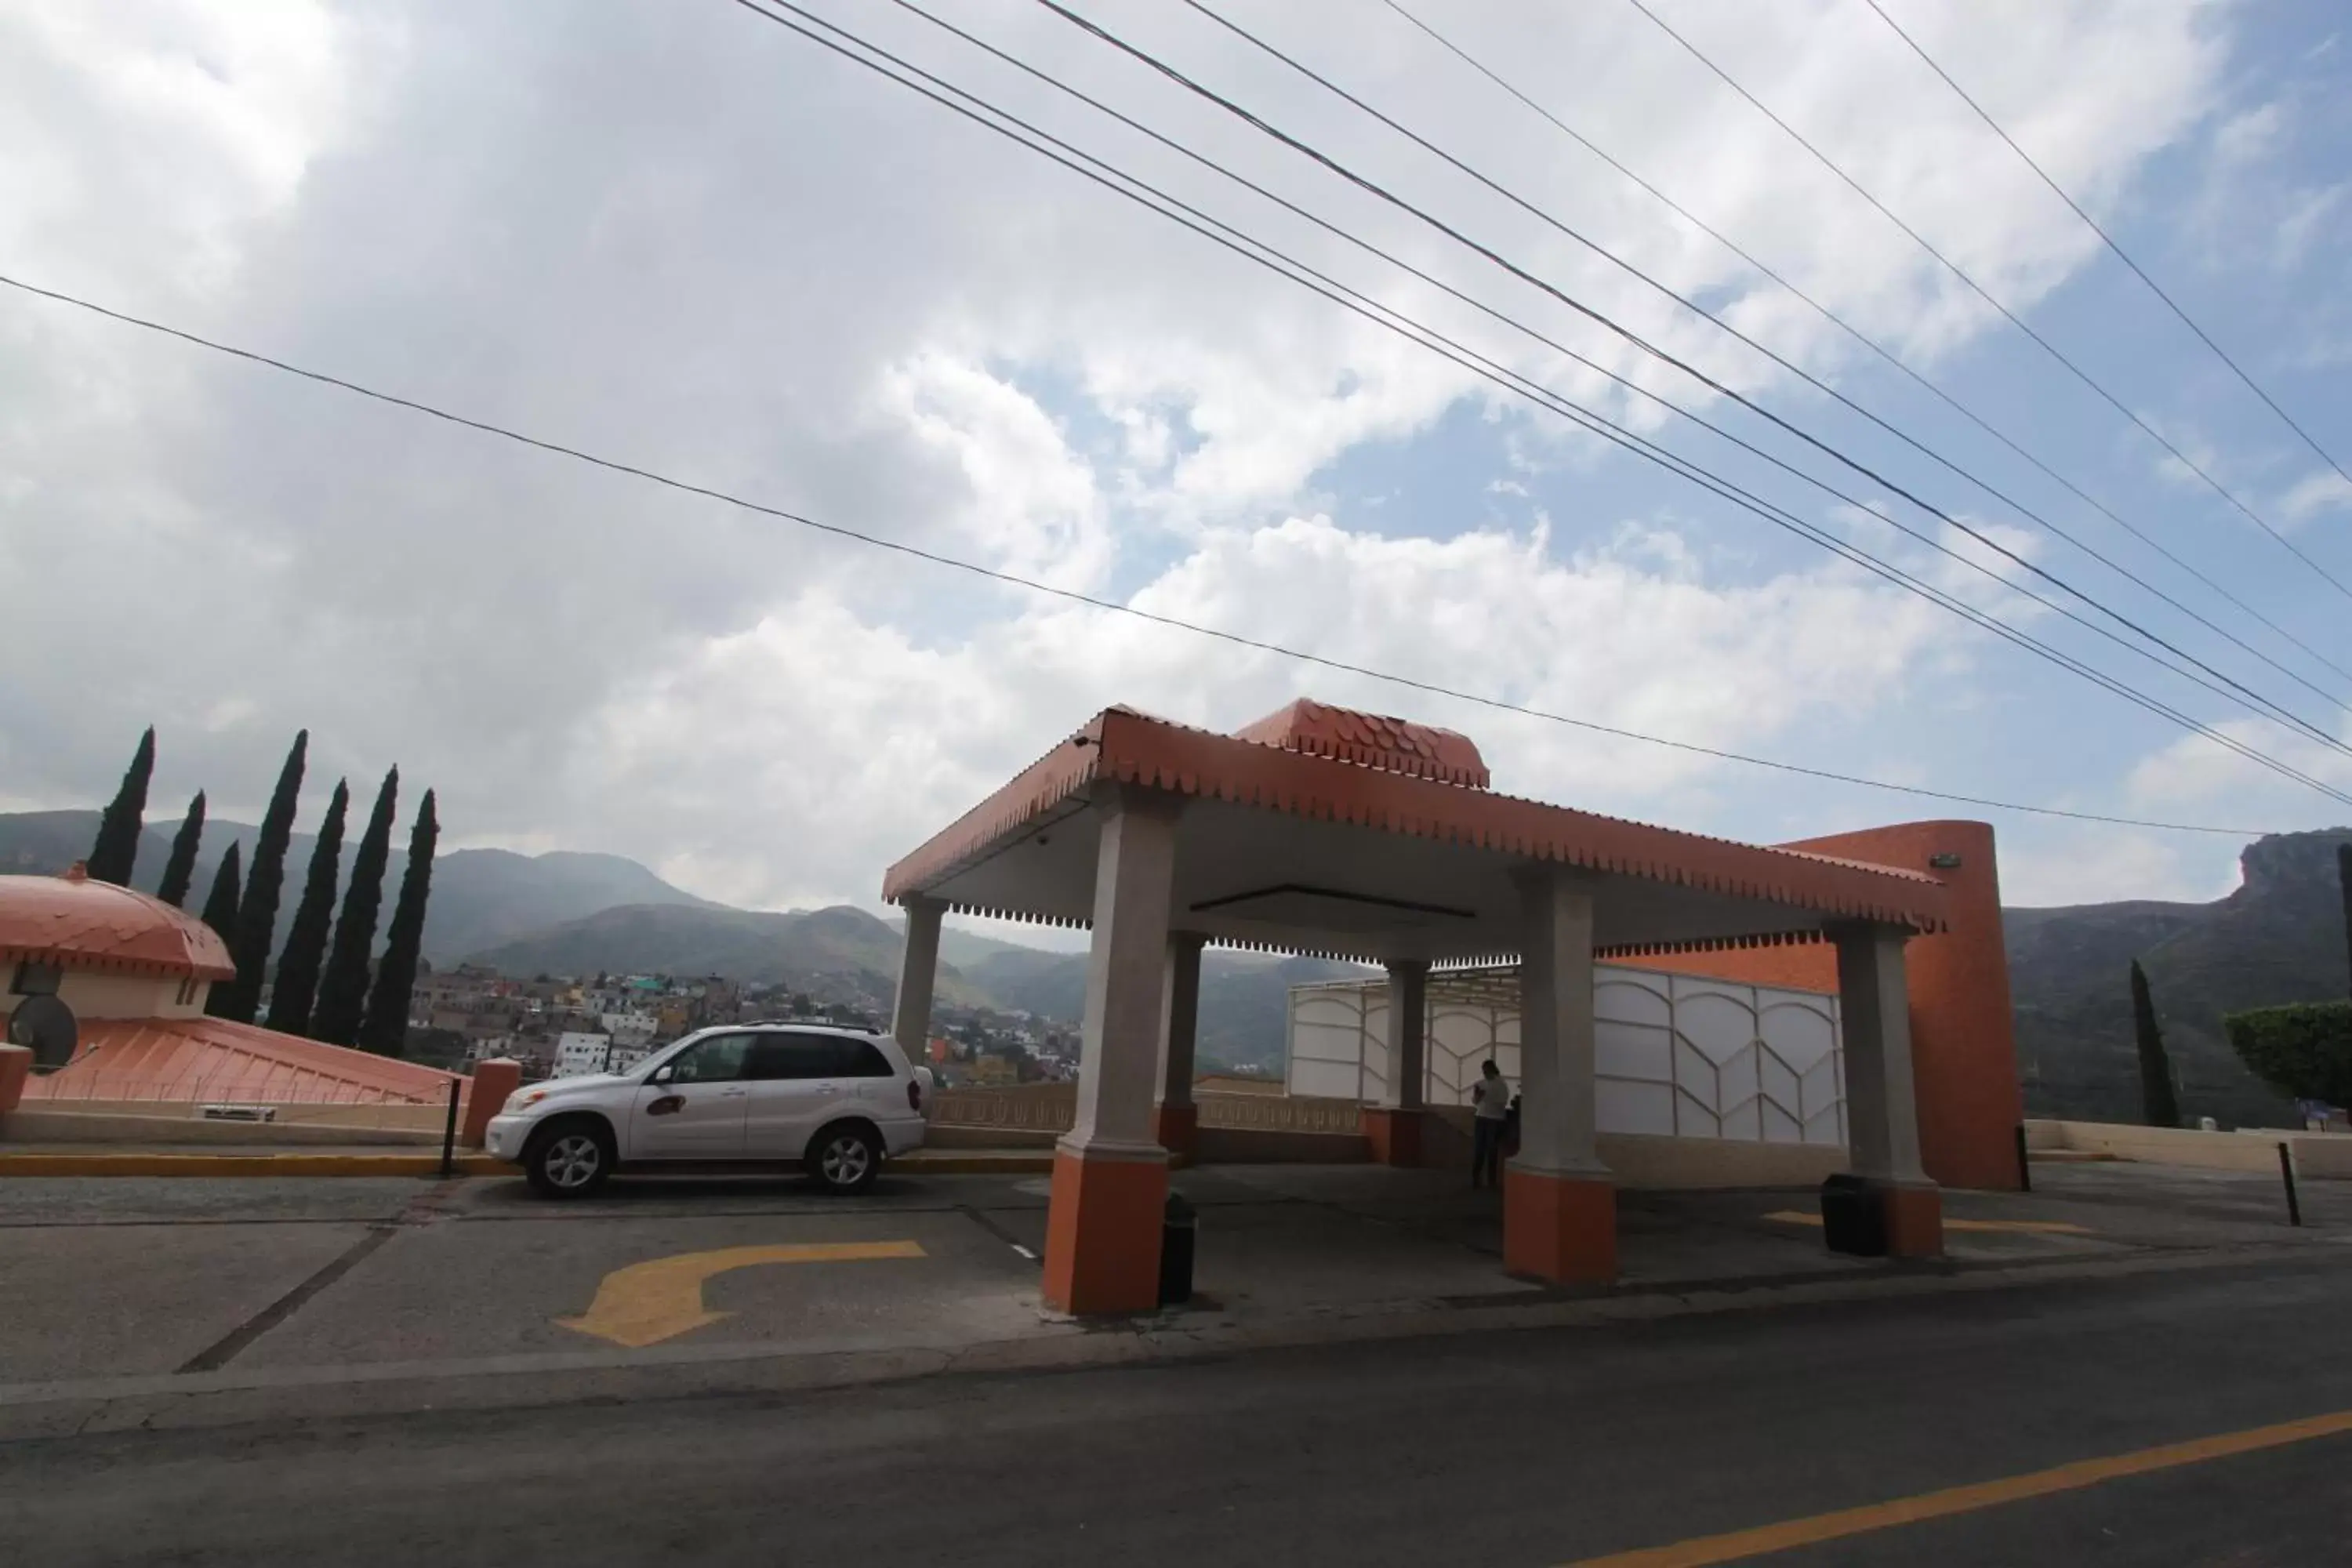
{"x": 914, "y": 1094}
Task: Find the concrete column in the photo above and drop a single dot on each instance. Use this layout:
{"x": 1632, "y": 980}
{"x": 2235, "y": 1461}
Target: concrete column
{"x": 918, "y": 971}
{"x": 1110, "y": 1176}
{"x": 1882, "y": 1107}
{"x": 1559, "y": 1207}
{"x": 1175, "y": 1119}
{"x": 1394, "y": 1126}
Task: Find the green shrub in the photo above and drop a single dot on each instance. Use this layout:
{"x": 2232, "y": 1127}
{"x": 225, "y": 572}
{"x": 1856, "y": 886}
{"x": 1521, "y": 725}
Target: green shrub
{"x": 2303, "y": 1051}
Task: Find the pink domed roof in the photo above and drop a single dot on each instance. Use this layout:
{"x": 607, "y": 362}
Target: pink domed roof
{"x": 77, "y": 923}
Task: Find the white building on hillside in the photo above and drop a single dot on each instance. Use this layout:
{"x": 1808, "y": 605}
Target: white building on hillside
{"x": 576, "y": 1053}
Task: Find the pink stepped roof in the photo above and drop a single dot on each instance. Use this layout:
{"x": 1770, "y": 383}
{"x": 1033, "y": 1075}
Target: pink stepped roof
{"x": 75, "y": 923}
{"x": 214, "y": 1061}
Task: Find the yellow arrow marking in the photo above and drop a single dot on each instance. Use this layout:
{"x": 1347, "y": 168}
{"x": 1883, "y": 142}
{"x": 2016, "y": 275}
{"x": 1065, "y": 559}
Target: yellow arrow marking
{"x": 2021, "y": 1226}
{"x": 661, "y": 1299}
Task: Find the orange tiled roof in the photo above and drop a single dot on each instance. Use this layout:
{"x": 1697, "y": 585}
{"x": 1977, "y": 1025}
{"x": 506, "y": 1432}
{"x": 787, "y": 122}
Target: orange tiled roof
{"x": 1374, "y": 740}
{"x": 215, "y": 1061}
{"x": 1122, "y": 746}
{"x": 77, "y": 923}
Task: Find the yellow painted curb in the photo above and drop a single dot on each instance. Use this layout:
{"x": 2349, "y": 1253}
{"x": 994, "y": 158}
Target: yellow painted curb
{"x": 130, "y": 1165}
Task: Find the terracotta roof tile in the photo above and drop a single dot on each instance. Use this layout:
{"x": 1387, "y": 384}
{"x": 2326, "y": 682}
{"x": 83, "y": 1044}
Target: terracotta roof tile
{"x": 83, "y": 924}
{"x": 1119, "y": 745}
{"x": 212, "y": 1060}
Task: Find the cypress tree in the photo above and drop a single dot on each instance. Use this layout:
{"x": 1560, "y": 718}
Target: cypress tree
{"x": 2161, "y": 1107}
{"x": 117, "y": 846}
{"x": 257, "y": 912}
{"x": 385, "y": 1032}
{"x": 342, "y": 990}
{"x": 220, "y": 914}
{"x": 2343, "y": 885}
{"x": 306, "y": 941}
{"x": 181, "y": 868}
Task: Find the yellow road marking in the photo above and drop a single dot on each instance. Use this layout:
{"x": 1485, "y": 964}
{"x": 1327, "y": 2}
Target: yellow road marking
{"x": 1743, "y": 1543}
{"x": 2020, "y": 1226}
{"x": 661, "y": 1299}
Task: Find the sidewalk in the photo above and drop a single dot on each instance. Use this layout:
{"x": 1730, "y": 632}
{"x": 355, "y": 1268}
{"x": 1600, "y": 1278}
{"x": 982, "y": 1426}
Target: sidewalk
{"x": 129, "y": 1301}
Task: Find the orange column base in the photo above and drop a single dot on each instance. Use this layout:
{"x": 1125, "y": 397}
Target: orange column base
{"x": 1561, "y": 1229}
{"x": 1394, "y": 1134}
{"x": 15, "y": 1069}
{"x": 1174, "y": 1128}
{"x": 1102, "y": 1233}
{"x": 1915, "y": 1220}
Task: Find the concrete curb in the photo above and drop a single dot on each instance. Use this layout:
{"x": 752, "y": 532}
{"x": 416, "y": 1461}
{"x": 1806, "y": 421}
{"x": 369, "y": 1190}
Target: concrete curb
{"x": 133, "y": 1162}
{"x": 234, "y": 1396}
{"x": 125, "y": 1162}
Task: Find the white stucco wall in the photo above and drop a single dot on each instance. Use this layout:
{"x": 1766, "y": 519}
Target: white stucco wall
{"x": 92, "y": 994}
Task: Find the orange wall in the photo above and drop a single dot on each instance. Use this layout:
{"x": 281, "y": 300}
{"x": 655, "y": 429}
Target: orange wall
{"x": 1963, "y": 1037}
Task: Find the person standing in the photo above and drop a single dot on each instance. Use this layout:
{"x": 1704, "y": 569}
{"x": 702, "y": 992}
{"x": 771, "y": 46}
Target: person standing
{"x": 1490, "y": 1098}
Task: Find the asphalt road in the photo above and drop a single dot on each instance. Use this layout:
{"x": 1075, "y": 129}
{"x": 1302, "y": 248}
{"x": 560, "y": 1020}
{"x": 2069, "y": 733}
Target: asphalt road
{"x": 1544, "y": 1446}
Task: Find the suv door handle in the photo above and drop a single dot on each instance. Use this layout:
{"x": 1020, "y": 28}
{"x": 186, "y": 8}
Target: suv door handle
{"x": 733, "y": 1093}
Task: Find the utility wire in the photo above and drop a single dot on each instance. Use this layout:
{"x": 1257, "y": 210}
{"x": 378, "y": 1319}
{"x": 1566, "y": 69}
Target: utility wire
{"x": 2261, "y": 704}
{"x": 1262, "y": 125}
{"x": 1930, "y": 386}
{"x": 2109, "y": 241}
{"x": 1118, "y": 183}
{"x": 2014, "y": 319}
{"x": 1505, "y": 264}
{"x": 900, "y": 547}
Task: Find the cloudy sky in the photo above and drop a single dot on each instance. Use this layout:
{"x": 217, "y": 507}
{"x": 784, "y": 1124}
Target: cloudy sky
{"x": 674, "y": 234}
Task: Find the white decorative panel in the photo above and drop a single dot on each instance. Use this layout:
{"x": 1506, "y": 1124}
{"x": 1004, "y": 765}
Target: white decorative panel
{"x": 1624, "y": 1106}
{"x": 1721, "y": 1027}
{"x": 1673, "y": 1053}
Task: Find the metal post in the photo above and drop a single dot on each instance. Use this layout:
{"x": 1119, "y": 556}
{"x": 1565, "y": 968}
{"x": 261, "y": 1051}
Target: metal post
{"x": 2287, "y": 1170}
{"x": 449, "y": 1133}
{"x": 2024, "y": 1165}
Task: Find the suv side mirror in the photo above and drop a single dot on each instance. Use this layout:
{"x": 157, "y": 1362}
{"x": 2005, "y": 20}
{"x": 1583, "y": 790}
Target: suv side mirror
{"x": 661, "y": 1074}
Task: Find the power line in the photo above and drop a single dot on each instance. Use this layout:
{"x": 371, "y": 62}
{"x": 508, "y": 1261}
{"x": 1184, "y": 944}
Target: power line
{"x": 1372, "y": 187}
{"x": 1931, "y": 386}
{"x": 1118, "y": 182}
{"x": 2014, "y": 319}
{"x": 936, "y": 558}
{"x": 1505, "y": 264}
{"x": 2109, "y": 241}
{"x": 1265, "y": 127}
{"x": 2260, "y": 704}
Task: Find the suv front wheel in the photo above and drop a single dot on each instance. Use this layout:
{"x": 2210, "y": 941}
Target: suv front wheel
{"x": 845, "y": 1158}
{"x": 569, "y": 1158}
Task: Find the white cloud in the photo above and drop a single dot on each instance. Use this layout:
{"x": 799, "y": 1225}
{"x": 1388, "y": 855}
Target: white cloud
{"x": 2325, "y": 491}
{"x": 691, "y": 242}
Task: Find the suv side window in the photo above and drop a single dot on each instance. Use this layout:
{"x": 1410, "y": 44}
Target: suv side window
{"x": 718, "y": 1059}
{"x": 781, "y": 1056}
{"x": 863, "y": 1059}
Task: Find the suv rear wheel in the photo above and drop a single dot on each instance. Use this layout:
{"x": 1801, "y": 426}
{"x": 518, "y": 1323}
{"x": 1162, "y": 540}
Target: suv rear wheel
{"x": 845, "y": 1157}
{"x": 569, "y": 1158}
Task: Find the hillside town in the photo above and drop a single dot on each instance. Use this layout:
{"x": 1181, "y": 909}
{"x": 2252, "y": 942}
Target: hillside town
{"x": 566, "y": 1027}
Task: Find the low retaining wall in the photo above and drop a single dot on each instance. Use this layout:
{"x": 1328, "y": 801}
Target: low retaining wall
{"x": 44, "y": 1126}
{"x": 2323, "y": 1155}
{"x": 1259, "y": 1146}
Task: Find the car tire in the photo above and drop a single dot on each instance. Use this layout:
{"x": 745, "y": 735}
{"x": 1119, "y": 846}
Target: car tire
{"x": 845, "y": 1158}
{"x": 569, "y": 1158}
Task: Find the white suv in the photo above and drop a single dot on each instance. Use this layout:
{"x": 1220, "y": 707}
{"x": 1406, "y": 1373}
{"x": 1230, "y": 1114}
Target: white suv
{"x": 835, "y": 1101}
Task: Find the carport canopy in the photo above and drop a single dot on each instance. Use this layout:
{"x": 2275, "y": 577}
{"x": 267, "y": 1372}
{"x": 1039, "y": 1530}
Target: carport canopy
{"x": 1327, "y": 831}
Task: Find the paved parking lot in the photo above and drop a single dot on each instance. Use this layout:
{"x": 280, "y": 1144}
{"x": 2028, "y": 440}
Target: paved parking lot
{"x": 105, "y": 1277}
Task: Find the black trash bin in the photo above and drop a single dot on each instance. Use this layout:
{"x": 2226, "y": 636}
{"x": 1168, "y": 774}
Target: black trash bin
{"x": 1853, "y": 1216}
{"x": 1178, "y": 1227}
